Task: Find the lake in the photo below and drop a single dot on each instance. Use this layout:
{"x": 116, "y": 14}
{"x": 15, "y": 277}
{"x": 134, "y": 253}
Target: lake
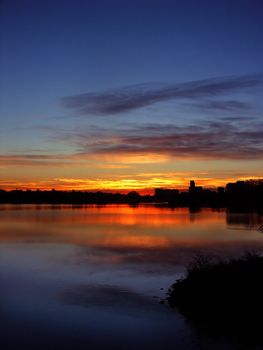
{"x": 79, "y": 277}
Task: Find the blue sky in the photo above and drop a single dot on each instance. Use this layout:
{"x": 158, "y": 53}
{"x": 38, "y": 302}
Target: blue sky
{"x": 125, "y": 56}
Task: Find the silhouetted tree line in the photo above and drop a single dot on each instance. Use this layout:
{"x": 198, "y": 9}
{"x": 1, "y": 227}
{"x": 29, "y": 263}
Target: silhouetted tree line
{"x": 243, "y": 194}
{"x": 68, "y": 197}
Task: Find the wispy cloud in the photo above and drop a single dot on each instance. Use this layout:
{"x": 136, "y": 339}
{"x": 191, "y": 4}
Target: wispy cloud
{"x": 222, "y": 106}
{"x": 118, "y": 147}
{"x": 132, "y": 97}
{"x": 224, "y": 139}
{"x": 34, "y": 159}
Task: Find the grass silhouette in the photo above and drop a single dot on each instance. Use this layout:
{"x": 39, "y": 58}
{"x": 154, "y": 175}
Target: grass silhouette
{"x": 223, "y": 298}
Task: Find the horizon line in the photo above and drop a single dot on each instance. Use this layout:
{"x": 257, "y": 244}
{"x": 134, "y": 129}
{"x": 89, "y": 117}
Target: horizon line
{"x": 141, "y": 191}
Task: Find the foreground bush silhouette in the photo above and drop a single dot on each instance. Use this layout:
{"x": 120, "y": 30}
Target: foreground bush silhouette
{"x": 223, "y": 298}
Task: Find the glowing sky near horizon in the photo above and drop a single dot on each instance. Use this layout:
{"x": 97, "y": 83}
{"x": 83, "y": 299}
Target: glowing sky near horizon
{"x": 130, "y": 95}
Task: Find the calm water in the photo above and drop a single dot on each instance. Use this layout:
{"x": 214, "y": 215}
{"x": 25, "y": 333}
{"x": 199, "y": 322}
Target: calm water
{"x": 92, "y": 276}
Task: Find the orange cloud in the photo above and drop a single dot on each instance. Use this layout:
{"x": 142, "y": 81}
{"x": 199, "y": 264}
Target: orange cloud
{"x": 143, "y": 183}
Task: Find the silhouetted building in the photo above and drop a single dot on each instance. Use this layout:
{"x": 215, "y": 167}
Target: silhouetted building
{"x": 193, "y": 188}
{"x": 241, "y": 194}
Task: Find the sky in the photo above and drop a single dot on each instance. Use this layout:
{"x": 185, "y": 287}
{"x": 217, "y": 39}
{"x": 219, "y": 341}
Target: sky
{"x": 130, "y": 95}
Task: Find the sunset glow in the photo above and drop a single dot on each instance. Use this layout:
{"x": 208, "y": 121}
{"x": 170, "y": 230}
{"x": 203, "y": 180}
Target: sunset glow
{"x": 78, "y": 114}
{"x": 122, "y": 185}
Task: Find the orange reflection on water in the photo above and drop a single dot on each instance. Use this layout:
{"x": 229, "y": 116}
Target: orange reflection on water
{"x": 120, "y": 227}
{"x": 133, "y": 241}
{"x": 120, "y": 215}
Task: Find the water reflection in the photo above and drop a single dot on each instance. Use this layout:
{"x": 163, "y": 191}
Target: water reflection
{"x": 105, "y": 268}
{"x": 108, "y": 296}
{"x": 250, "y": 221}
{"x": 124, "y": 233}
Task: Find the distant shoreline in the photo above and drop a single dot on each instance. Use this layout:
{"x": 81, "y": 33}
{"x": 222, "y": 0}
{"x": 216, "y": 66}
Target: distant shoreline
{"x": 242, "y": 194}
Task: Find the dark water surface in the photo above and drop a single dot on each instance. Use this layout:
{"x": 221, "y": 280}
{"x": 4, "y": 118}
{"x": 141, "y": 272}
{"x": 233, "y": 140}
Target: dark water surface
{"x": 92, "y": 277}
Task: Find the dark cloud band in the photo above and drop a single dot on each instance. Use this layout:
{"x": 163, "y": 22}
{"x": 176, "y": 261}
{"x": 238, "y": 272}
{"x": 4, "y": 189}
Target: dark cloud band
{"x": 129, "y": 98}
{"x": 209, "y": 140}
